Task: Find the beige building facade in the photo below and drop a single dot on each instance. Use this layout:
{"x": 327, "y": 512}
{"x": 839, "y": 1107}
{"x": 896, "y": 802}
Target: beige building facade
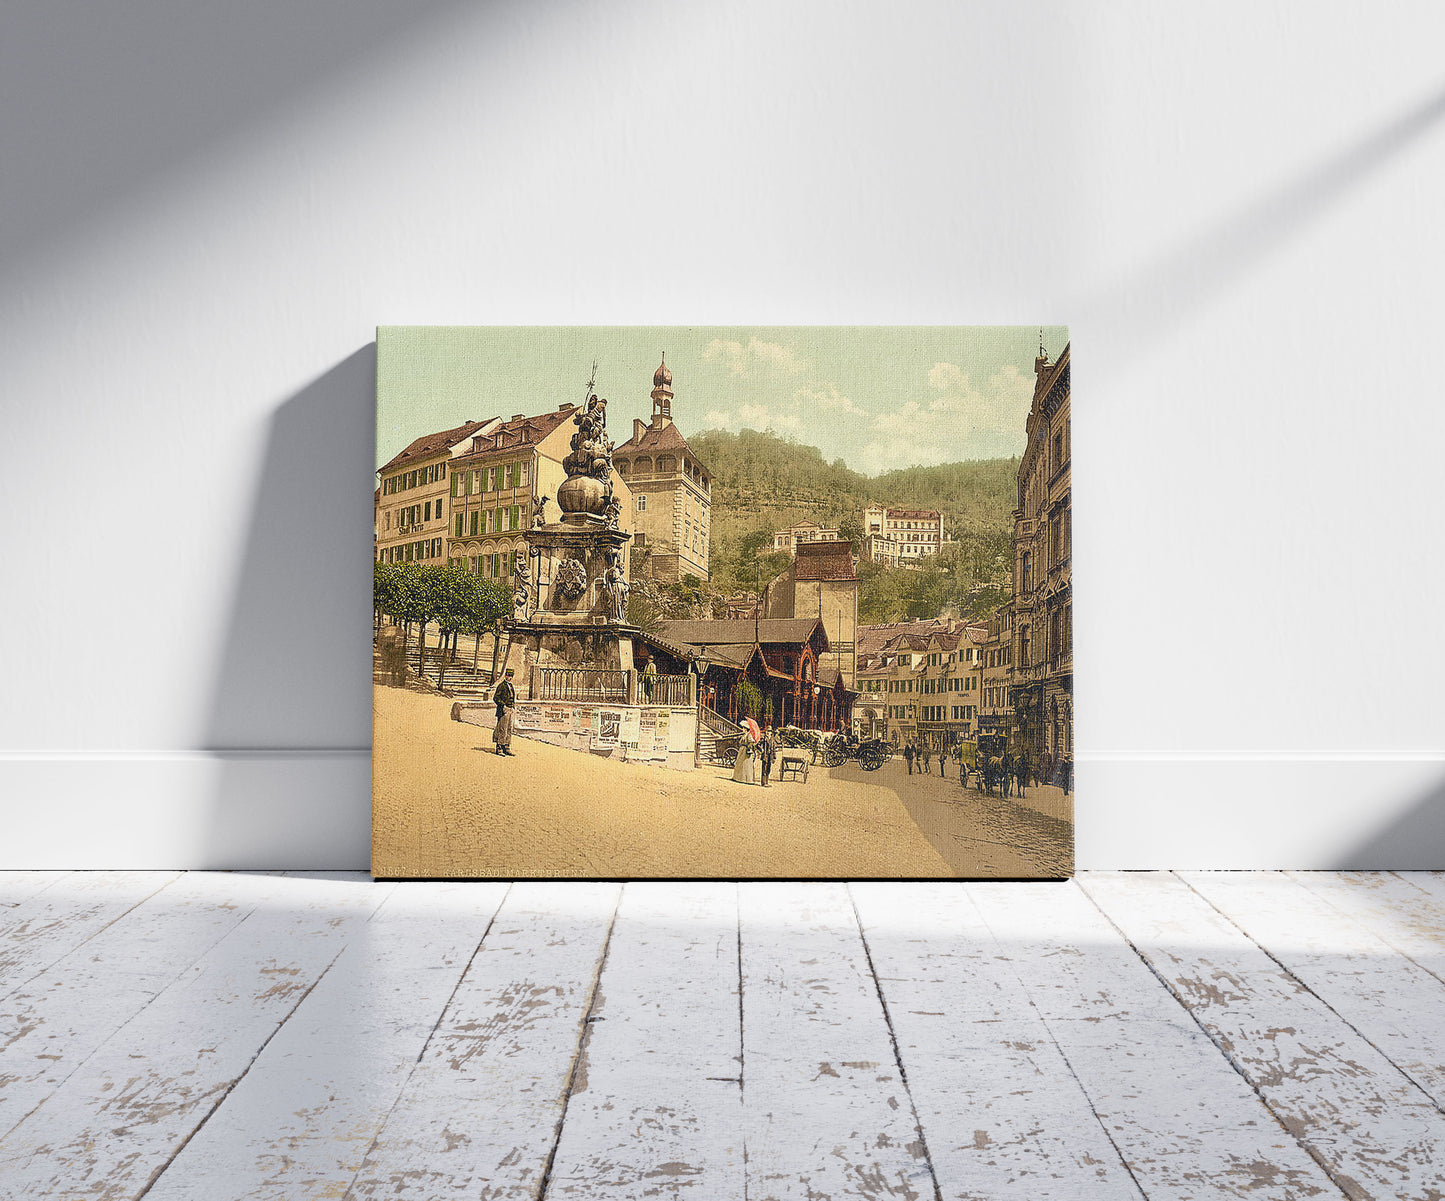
{"x": 464, "y": 496}
{"x": 494, "y": 484}
{"x": 412, "y": 500}
{"x": 671, "y": 507}
{"x": 786, "y": 541}
{"x": 928, "y": 685}
{"x": 1042, "y": 680}
{"x": 822, "y": 582}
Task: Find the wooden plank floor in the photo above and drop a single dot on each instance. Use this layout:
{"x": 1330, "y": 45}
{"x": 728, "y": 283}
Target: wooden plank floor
{"x": 1134, "y": 1035}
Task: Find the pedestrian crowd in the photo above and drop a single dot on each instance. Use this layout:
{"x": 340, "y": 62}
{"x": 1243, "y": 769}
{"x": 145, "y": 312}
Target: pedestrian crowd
{"x": 1013, "y": 771}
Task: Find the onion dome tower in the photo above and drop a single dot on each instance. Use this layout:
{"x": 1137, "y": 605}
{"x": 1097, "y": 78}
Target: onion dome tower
{"x": 662, "y": 395}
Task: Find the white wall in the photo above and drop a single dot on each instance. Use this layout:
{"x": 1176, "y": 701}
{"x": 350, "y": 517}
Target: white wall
{"x": 206, "y": 208}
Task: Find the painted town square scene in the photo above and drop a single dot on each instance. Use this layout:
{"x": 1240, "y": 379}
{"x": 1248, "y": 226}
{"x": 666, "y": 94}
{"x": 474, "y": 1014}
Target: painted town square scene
{"x": 723, "y": 602}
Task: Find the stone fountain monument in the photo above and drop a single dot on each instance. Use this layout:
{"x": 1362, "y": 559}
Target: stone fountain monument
{"x": 570, "y": 593}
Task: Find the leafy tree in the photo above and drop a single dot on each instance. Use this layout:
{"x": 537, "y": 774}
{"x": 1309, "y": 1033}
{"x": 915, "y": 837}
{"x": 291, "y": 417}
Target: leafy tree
{"x": 750, "y": 699}
{"x": 395, "y": 591}
{"x": 385, "y": 592}
{"x": 465, "y": 603}
{"x": 850, "y": 528}
{"x": 415, "y": 601}
{"x": 646, "y": 606}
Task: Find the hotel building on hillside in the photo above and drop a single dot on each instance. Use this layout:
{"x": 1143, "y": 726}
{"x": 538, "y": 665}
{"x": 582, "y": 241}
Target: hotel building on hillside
{"x": 671, "y": 510}
{"x": 786, "y": 541}
{"x": 899, "y": 537}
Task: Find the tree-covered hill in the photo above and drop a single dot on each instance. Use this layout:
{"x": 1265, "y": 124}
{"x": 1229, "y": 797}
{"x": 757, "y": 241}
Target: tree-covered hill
{"x": 761, "y": 483}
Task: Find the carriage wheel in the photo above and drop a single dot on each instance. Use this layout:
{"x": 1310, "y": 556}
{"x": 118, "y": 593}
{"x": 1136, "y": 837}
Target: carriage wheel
{"x": 834, "y": 754}
{"x": 872, "y": 759}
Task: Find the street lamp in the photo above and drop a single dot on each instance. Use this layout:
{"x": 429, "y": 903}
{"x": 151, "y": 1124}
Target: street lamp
{"x": 700, "y": 664}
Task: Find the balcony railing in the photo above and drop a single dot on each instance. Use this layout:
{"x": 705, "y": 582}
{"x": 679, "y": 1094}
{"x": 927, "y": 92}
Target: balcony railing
{"x": 664, "y": 690}
{"x": 580, "y": 684}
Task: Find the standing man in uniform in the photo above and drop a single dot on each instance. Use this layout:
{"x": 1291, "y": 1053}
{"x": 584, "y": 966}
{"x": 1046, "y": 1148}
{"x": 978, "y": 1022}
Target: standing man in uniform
{"x": 766, "y": 751}
{"x": 505, "y": 698}
{"x": 908, "y": 754}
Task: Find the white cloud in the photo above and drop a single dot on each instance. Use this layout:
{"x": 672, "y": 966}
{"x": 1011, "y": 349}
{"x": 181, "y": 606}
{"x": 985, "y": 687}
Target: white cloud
{"x": 731, "y": 353}
{"x": 827, "y": 399}
{"x": 947, "y": 375}
{"x": 754, "y": 417}
{"x": 782, "y": 358}
{"x": 963, "y": 421}
{"x": 760, "y": 417}
{"x": 757, "y": 357}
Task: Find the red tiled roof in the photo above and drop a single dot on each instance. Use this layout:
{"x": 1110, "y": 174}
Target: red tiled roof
{"x": 521, "y": 432}
{"x": 739, "y": 632}
{"x": 825, "y": 561}
{"x": 668, "y": 437}
{"x": 919, "y": 514}
{"x": 430, "y": 445}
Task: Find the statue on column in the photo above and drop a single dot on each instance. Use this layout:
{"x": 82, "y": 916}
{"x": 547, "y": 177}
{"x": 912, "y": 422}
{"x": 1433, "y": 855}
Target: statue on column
{"x": 614, "y": 585}
{"x": 521, "y": 589}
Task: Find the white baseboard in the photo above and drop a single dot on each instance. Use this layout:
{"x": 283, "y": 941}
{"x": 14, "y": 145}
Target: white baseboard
{"x": 186, "y": 809}
{"x": 311, "y": 809}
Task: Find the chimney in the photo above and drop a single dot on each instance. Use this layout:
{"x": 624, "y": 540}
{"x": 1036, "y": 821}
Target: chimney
{"x": 563, "y": 407}
{"x": 519, "y": 416}
{"x": 638, "y": 425}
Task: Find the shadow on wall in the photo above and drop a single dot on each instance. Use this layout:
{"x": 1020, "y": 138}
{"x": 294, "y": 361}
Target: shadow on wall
{"x": 1414, "y": 842}
{"x": 118, "y": 96}
{"x": 1155, "y": 301}
{"x": 290, "y": 718}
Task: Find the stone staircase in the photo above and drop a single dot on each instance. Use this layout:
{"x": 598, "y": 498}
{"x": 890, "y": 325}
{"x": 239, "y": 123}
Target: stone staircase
{"x": 460, "y": 680}
{"x": 717, "y": 737}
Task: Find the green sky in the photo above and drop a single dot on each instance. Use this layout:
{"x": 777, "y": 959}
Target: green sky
{"x": 877, "y": 397}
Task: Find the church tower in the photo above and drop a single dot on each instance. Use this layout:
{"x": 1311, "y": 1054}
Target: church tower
{"x": 662, "y": 395}
{"x": 671, "y": 492}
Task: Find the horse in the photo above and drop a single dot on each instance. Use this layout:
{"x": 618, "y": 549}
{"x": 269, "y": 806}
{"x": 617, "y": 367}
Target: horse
{"x": 995, "y": 769}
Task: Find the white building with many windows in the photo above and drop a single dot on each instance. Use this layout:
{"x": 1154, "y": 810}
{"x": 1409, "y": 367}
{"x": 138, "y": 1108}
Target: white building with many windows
{"x": 786, "y": 541}
{"x": 898, "y": 537}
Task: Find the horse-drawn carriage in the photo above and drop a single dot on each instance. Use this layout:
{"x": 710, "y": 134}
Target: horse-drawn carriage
{"x": 992, "y": 763}
{"x": 871, "y": 753}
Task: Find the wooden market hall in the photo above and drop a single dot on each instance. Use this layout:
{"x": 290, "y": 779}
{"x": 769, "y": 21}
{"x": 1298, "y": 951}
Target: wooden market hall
{"x": 780, "y": 657}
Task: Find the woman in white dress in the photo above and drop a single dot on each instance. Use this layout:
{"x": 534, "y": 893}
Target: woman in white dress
{"x": 745, "y": 768}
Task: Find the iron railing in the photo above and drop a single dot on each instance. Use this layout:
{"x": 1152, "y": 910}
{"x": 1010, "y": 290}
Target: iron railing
{"x": 664, "y": 690}
{"x": 580, "y": 684}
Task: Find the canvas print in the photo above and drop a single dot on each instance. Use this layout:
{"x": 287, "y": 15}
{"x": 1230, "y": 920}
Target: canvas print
{"x": 723, "y": 603}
